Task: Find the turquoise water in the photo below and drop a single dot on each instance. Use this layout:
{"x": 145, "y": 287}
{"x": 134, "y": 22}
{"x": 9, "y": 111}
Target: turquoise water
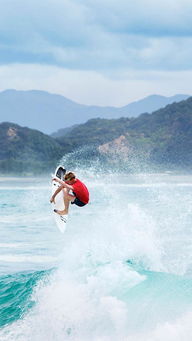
{"x": 122, "y": 270}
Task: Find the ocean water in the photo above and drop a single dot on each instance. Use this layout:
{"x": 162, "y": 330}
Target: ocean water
{"x": 122, "y": 271}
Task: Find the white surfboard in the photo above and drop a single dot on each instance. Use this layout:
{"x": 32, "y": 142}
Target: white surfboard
{"x": 61, "y": 220}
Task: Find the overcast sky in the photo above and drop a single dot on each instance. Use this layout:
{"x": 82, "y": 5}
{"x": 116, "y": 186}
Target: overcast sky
{"x": 103, "y": 52}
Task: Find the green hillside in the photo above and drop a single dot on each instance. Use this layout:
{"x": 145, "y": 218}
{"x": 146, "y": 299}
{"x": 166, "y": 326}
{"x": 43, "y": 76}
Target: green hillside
{"x": 162, "y": 138}
{"x": 26, "y": 150}
{"x": 170, "y": 133}
{"x": 94, "y": 132}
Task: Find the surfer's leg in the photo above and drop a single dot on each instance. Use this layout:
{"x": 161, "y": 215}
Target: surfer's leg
{"x": 67, "y": 199}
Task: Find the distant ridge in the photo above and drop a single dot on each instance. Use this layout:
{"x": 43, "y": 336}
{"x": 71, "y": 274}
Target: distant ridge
{"x": 152, "y": 103}
{"x": 51, "y": 112}
{"x": 158, "y": 141}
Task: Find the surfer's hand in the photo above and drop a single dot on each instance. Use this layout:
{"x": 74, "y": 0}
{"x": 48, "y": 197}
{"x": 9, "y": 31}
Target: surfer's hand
{"x": 58, "y": 180}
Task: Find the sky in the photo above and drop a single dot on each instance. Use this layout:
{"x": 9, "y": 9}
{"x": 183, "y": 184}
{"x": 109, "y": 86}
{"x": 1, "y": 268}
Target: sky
{"x": 102, "y": 52}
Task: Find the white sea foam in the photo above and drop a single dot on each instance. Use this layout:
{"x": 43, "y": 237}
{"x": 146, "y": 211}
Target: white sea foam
{"x": 181, "y": 329}
{"x": 81, "y": 308}
{"x": 113, "y": 260}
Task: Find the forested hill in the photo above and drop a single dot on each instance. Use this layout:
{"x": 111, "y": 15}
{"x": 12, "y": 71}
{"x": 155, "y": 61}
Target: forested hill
{"x": 169, "y": 132}
{"x": 28, "y": 151}
{"x": 163, "y": 139}
{"x": 94, "y": 132}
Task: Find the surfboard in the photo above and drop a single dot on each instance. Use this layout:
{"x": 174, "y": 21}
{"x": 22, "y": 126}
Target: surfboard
{"x": 60, "y": 220}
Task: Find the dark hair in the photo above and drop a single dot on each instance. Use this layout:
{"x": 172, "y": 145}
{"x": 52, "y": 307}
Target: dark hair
{"x": 69, "y": 176}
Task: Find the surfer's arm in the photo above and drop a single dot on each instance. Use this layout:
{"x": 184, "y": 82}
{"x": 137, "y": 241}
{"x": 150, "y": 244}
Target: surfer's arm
{"x": 63, "y": 183}
{"x": 69, "y": 187}
{"x": 56, "y": 192}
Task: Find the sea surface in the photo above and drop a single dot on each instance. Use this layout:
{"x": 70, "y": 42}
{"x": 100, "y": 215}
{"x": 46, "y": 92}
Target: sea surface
{"x": 121, "y": 272}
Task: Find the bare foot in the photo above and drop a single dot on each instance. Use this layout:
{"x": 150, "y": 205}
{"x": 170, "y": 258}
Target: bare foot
{"x": 61, "y": 212}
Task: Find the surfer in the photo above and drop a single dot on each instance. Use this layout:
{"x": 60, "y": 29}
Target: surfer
{"x": 80, "y": 196}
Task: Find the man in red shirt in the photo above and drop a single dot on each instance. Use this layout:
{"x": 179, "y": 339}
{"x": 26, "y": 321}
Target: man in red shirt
{"x": 80, "y": 196}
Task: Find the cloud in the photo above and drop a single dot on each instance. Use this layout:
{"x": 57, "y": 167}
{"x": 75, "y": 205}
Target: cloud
{"x": 102, "y": 36}
{"x": 36, "y": 28}
{"x": 103, "y": 52}
{"x": 146, "y": 17}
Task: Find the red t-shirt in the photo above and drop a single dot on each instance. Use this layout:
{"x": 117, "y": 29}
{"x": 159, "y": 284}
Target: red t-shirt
{"x": 81, "y": 191}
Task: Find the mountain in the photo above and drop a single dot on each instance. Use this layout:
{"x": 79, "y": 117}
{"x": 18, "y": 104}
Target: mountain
{"x": 24, "y": 150}
{"x": 168, "y": 134}
{"x": 94, "y": 132}
{"x": 151, "y": 103}
{"x": 163, "y": 138}
{"x": 50, "y": 112}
